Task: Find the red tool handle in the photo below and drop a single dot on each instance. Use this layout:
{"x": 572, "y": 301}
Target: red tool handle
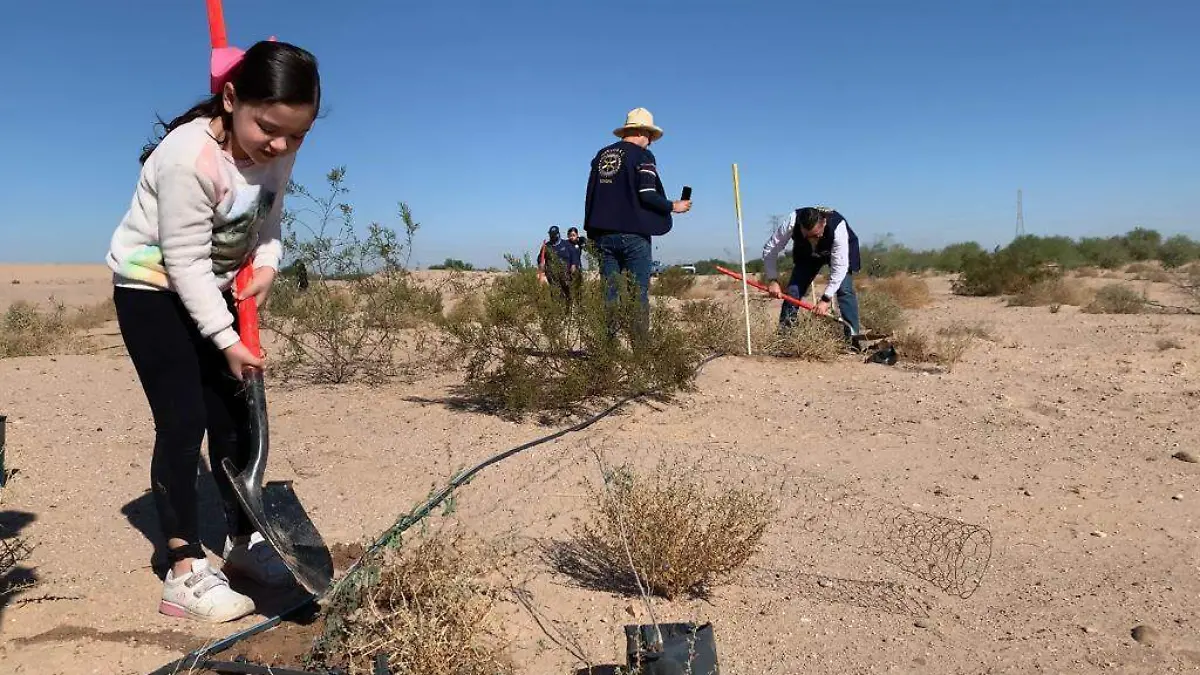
{"x": 216, "y": 25}
{"x": 762, "y": 287}
{"x": 247, "y": 311}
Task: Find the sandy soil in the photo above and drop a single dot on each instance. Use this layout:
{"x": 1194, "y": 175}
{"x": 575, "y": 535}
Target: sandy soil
{"x": 1055, "y": 438}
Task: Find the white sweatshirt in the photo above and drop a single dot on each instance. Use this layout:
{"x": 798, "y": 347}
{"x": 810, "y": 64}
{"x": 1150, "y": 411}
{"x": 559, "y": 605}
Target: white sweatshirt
{"x": 839, "y": 262}
{"x": 196, "y": 216}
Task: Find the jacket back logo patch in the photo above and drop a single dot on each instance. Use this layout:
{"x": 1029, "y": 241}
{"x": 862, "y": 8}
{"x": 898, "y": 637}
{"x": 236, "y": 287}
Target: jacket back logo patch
{"x": 609, "y": 164}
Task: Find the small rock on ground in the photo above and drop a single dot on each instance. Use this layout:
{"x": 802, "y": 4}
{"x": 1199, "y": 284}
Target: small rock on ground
{"x": 1145, "y": 635}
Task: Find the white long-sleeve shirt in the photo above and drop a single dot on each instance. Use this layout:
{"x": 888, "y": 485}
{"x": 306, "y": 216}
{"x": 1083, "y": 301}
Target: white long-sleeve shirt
{"x": 196, "y": 216}
{"x": 839, "y": 262}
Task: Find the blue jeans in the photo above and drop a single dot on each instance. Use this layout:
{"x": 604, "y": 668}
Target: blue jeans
{"x": 621, "y": 252}
{"x": 802, "y": 277}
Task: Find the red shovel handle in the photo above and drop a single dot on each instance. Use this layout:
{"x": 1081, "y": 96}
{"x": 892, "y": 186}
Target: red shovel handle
{"x": 762, "y": 287}
{"x": 247, "y": 311}
{"x": 216, "y": 25}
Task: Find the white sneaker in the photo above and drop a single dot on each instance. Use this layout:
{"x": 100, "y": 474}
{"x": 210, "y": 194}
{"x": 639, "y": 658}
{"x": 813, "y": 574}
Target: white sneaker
{"x": 253, "y": 558}
{"x": 203, "y": 594}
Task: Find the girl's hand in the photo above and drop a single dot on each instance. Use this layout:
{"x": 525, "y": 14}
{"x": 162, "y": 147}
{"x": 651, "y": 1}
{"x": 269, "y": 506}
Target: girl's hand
{"x": 260, "y": 286}
{"x": 238, "y": 356}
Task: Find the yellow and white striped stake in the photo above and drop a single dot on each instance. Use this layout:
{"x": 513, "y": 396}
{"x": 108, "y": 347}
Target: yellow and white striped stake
{"x": 737, "y": 205}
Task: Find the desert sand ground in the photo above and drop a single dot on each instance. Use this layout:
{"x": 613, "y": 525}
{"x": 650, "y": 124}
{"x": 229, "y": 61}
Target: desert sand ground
{"x": 1056, "y": 437}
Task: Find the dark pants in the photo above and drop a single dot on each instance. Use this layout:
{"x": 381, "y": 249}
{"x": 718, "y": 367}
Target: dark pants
{"x": 190, "y": 390}
{"x": 619, "y": 253}
{"x": 562, "y": 282}
{"x": 802, "y": 277}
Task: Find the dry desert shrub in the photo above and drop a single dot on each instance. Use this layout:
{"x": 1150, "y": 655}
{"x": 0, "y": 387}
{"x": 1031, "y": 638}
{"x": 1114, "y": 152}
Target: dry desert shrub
{"x": 728, "y": 284}
{"x": 808, "y": 338}
{"x": 909, "y": 292}
{"x": 713, "y": 327}
{"x": 1087, "y": 272}
{"x": 942, "y": 349}
{"x": 977, "y": 330}
{"x": 673, "y": 282}
{"x": 1144, "y": 271}
{"x": 93, "y": 316}
{"x": 721, "y": 329}
{"x": 468, "y": 308}
{"x": 1188, "y": 282}
{"x": 1116, "y": 299}
{"x": 428, "y": 608}
{"x": 1166, "y": 343}
{"x": 880, "y": 312}
{"x": 1057, "y": 290}
{"x": 13, "y": 577}
{"x": 681, "y": 536}
{"x": 29, "y": 330}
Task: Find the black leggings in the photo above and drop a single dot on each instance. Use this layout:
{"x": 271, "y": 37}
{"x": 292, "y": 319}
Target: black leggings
{"x": 190, "y": 391}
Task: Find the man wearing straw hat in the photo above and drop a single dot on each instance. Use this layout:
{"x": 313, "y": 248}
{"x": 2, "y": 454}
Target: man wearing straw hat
{"x": 626, "y": 204}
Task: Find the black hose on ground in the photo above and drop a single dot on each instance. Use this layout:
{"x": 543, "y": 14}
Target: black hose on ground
{"x": 199, "y": 657}
{"x": 237, "y": 668}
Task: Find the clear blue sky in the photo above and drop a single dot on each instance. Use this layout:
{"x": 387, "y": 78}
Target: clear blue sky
{"x": 918, "y": 118}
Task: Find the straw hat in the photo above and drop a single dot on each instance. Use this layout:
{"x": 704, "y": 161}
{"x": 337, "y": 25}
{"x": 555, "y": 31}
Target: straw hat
{"x": 639, "y": 118}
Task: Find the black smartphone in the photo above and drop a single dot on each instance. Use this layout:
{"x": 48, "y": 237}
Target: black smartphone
{"x": 687, "y": 193}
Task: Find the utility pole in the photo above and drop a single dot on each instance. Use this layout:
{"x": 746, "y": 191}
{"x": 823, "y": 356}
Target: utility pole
{"x": 1020, "y": 215}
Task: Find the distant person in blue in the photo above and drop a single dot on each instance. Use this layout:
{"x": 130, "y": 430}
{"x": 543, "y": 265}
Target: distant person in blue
{"x": 578, "y": 242}
{"x": 558, "y": 263}
{"x": 819, "y": 236}
{"x": 626, "y": 205}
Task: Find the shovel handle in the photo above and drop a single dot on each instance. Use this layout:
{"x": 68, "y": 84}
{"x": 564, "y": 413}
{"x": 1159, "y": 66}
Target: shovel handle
{"x": 216, "y": 25}
{"x": 762, "y": 287}
{"x": 247, "y": 311}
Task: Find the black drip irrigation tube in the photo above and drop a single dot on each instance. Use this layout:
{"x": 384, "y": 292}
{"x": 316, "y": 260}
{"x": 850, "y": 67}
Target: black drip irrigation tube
{"x": 200, "y": 658}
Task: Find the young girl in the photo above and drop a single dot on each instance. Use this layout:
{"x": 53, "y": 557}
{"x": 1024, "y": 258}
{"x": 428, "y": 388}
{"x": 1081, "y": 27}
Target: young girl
{"x": 208, "y": 200}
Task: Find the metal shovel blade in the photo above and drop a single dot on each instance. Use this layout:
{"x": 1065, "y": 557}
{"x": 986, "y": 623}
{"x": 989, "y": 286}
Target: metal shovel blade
{"x": 274, "y": 509}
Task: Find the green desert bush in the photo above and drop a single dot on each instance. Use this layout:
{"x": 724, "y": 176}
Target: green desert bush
{"x": 526, "y": 351}
{"x": 361, "y": 305}
{"x": 1177, "y": 251}
{"x": 1106, "y": 253}
{"x": 1001, "y": 272}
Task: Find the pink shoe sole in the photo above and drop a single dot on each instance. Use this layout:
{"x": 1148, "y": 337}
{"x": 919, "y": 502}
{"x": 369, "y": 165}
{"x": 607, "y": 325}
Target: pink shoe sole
{"x": 171, "y": 609}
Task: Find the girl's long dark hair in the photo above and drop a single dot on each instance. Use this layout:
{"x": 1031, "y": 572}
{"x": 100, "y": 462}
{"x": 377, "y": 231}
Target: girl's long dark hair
{"x": 270, "y": 72}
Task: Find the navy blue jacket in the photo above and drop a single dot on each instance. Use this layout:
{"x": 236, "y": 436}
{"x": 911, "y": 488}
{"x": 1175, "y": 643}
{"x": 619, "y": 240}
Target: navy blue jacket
{"x": 566, "y": 253}
{"x": 613, "y": 204}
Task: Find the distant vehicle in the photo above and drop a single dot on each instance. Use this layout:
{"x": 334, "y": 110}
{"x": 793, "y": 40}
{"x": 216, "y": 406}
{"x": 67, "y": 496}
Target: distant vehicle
{"x": 690, "y": 269}
{"x": 656, "y": 268}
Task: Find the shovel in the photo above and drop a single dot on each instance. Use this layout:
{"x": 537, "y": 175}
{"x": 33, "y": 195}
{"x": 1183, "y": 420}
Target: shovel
{"x": 854, "y": 336}
{"x": 273, "y": 508}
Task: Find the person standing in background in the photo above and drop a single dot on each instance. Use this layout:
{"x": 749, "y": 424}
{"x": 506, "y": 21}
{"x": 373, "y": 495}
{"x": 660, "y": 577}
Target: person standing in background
{"x": 626, "y": 205}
